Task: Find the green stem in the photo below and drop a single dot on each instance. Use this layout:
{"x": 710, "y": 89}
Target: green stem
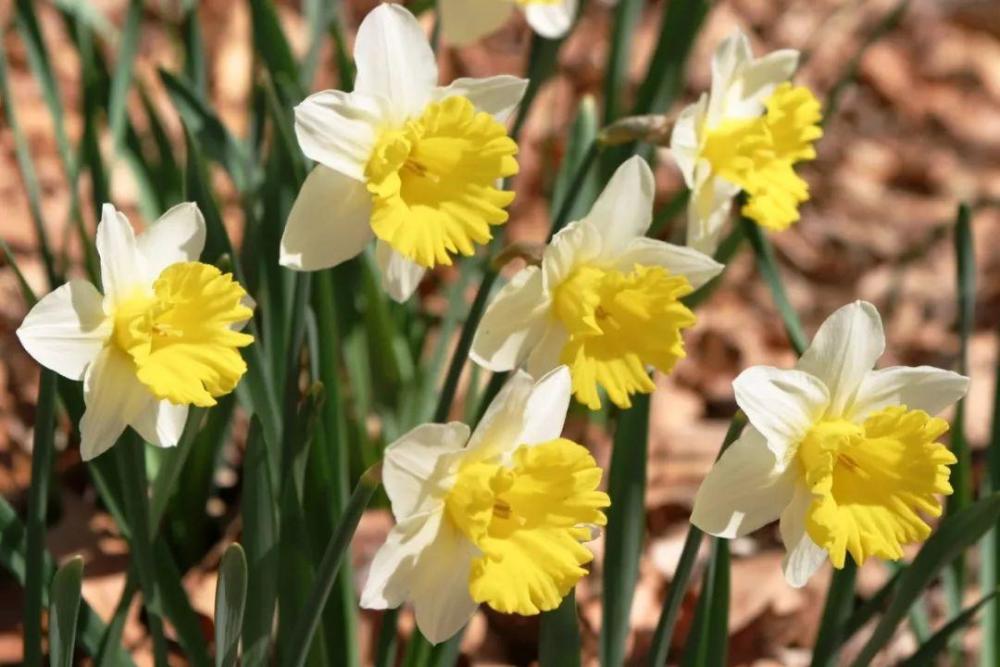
{"x": 839, "y": 600}
{"x": 559, "y": 633}
{"x": 562, "y": 215}
{"x": 768, "y": 268}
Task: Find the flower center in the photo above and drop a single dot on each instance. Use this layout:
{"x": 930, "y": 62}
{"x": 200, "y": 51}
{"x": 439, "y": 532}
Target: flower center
{"x": 528, "y": 520}
{"x": 434, "y": 182}
{"x": 871, "y": 482}
{"x": 181, "y": 336}
{"x": 618, "y": 325}
{"x": 758, "y": 154}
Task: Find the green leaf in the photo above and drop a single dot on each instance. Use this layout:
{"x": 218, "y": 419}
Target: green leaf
{"x": 576, "y": 185}
{"x": 626, "y": 527}
{"x": 122, "y": 78}
{"x": 212, "y": 136}
{"x": 271, "y": 44}
{"x": 38, "y": 499}
{"x": 664, "y": 633}
{"x": 706, "y": 645}
{"x": 165, "y": 483}
{"x": 64, "y": 608}
{"x": 955, "y": 534}
{"x": 926, "y": 655}
{"x": 12, "y": 557}
{"x": 326, "y": 574}
{"x": 559, "y": 635}
{"x": 839, "y": 600}
{"x": 230, "y": 601}
{"x": 665, "y": 74}
{"x": 768, "y": 268}
{"x": 260, "y": 539}
{"x": 626, "y": 17}
{"x": 27, "y": 166}
{"x": 129, "y": 454}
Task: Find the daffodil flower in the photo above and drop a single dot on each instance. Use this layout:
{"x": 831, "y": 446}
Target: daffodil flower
{"x": 497, "y": 517}
{"x": 746, "y": 135}
{"x": 605, "y": 300}
{"x": 846, "y": 456}
{"x": 465, "y": 21}
{"x": 415, "y": 165}
{"x": 164, "y": 334}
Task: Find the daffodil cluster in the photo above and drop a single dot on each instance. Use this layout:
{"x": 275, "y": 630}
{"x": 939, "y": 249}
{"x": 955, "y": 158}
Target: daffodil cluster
{"x": 845, "y": 457}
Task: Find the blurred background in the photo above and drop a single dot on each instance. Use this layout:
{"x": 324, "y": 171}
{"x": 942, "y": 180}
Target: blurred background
{"x": 913, "y": 94}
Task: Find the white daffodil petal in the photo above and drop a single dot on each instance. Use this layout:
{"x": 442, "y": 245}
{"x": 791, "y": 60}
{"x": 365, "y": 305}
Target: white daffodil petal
{"x": 400, "y": 276}
{"x": 545, "y": 409}
{"x": 548, "y": 353}
{"x": 114, "y": 398}
{"x": 843, "y": 352}
{"x": 761, "y": 77}
{"x": 161, "y": 423}
{"x": 624, "y": 210}
{"x": 575, "y": 244}
{"x": 415, "y": 465}
{"x": 709, "y": 208}
{"x": 395, "y": 60}
{"x": 66, "y": 329}
{"x": 551, "y": 20}
{"x": 390, "y": 574}
{"x": 442, "y": 603}
{"x": 122, "y": 266}
{"x": 802, "y": 556}
{"x": 922, "y": 388}
{"x": 513, "y": 323}
{"x": 781, "y": 404}
{"x": 731, "y": 57}
{"x": 747, "y": 488}
{"x": 685, "y": 140}
{"x": 696, "y": 266}
{"x": 338, "y": 130}
{"x": 503, "y": 418}
{"x": 329, "y": 223}
{"x": 465, "y": 21}
{"x": 178, "y": 236}
{"x": 496, "y": 95}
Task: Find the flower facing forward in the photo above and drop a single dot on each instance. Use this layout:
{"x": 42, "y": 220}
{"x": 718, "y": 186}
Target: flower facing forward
{"x": 746, "y": 135}
{"x": 605, "y": 300}
{"x": 847, "y": 457}
{"x": 465, "y": 21}
{"x": 497, "y": 518}
{"x": 415, "y": 165}
{"x": 163, "y": 335}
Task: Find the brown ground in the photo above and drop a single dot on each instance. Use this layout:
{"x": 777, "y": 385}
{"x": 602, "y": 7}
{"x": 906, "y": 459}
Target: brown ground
{"x": 919, "y": 133}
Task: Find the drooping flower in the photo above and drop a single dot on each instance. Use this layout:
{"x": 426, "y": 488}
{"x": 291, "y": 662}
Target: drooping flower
{"x": 415, "y": 165}
{"x": 846, "y": 456}
{"x": 164, "y": 334}
{"x": 465, "y": 21}
{"x": 745, "y": 135}
{"x": 605, "y": 300}
{"x": 495, "y": 518}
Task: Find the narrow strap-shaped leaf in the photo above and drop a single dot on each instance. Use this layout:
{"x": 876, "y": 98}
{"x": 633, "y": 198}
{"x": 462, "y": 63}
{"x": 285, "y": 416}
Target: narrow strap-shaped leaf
{"x": 29, "y": 176}
{"x": 38, "y": 502}
{"x": 768, "y": 268}
{"x": 559, "y": 635}
{"x": 64, "y": 607}
{"x": 129, "y": 454}
{"x": 626, "y": 17}
{"x": 665, "y": 74}
{"x": 230, "y": 601}
{"x": 626, "y": 527}
{"x": 664, "y": 632}
{"x": 955, "y": 534}
{"x": 706, "y": 645}
{"x": 927, "y": 654}
{"x": 122, "y": 78}
{"x": 165, "y": 483}
{"x": 270, "y": 42}
{"x": 839, "y": 600}
{"x": 326, "y": 574}
{"x": 260, "y": 539}
{"x": 871, "y": 607}
{"x": 576, "y": 185}
{"x": 12, "y": 557}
